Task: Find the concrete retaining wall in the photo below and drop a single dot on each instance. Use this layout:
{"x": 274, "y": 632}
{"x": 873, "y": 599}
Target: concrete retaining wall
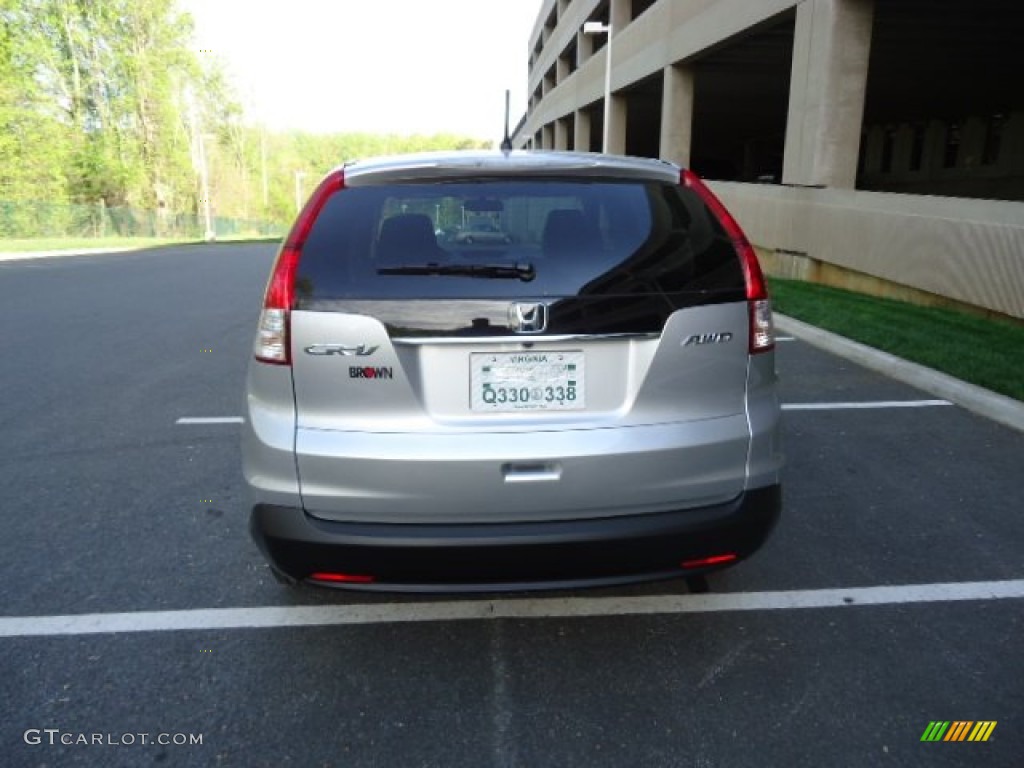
{"x": 971, "y": 251}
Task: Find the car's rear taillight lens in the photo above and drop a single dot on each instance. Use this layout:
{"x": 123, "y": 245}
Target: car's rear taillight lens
{"x": 272, "y": 337}
{"x": 762, "y": 331}
{"x": 272, "y": 343}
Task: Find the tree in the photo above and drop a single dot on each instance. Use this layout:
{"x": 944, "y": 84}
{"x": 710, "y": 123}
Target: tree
{"x": 33, "y": 140}
{"x": 110, "y": 71}
{"x": 95, "y": 108}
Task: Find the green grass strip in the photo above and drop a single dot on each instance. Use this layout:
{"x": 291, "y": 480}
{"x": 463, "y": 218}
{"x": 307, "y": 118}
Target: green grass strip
{"x": 982, "y": 351}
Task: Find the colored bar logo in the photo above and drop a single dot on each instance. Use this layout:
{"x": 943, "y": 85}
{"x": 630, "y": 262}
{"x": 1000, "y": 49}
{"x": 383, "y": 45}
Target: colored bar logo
{"x": 958, "y": 730}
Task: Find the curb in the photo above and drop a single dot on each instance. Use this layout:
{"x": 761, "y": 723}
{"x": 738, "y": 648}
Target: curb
{"x": 984, "y": 402}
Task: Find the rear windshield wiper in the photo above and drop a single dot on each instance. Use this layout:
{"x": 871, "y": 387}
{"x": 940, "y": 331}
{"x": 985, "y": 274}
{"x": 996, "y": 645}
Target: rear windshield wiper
{"x": 524, "y": 272}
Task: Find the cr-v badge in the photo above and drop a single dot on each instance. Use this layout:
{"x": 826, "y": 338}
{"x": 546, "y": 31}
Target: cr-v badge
{"x": 340, "y": 349}
{"x": 528, "y": 317}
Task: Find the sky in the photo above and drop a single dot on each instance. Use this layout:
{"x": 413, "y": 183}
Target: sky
{"x": 383, "y": 66}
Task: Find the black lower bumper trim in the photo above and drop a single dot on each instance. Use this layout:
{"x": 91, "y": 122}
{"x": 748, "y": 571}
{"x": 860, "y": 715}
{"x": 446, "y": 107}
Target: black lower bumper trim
{"x": 514, "y": 555}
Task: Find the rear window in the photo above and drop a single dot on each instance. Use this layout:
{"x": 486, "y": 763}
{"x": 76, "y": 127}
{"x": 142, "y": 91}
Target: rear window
{"x": 504, "y": 238}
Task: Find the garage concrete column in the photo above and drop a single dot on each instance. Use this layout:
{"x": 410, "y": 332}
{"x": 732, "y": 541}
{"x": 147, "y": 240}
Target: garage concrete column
{"x": 581, "y": 131}
{"x": 617, "y": 126}
{"x": 546, "y": 136}
{"x": 561, "y": 134}
{"x": 831, "y": 46}
{"x": 677, "y": 114}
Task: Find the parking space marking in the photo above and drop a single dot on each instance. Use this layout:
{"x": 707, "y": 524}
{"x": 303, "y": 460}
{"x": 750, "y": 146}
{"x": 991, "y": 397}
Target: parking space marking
{"x": 864, "y": 405}
{"x": 784, "y": 338}
{"x": 209, "y": 420}
{"x": 512, "y": 608}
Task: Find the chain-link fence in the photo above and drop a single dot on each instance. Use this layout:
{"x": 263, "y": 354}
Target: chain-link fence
{"x": 29, "y": 220}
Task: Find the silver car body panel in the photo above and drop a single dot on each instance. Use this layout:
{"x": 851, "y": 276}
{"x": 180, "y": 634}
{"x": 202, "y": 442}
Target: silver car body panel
{"x": 669, "y": 417}
{"x": 268, "y": 435}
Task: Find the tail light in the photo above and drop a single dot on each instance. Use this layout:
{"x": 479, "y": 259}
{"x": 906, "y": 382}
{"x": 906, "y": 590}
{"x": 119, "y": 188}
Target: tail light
{"x": 272, "y": 344}
{"x": 759, "y": 307}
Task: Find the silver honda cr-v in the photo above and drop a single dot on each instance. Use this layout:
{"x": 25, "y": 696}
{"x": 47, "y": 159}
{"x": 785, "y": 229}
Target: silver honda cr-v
{"x": 588, "y": 400}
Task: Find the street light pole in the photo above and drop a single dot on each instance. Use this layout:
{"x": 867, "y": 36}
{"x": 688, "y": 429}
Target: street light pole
{"x": 199, "y": 160}
{"x": 597, "y": 28}
{"x": 204, "y": 175}
{"x": 263, "y": 167}
{"x": 299, "y": 175}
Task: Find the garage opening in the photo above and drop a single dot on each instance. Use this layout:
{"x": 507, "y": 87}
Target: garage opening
{"x": 944, "y": 109}
{"x": 643, "y": 116}
{"x": 741, "y": 102}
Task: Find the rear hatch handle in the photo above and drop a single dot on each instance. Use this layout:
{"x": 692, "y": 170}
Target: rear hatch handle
{"x": 535, "y": 472}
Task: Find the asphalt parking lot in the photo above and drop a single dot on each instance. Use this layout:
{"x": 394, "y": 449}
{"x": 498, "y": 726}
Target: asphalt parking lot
{"x": 133, "y": 601}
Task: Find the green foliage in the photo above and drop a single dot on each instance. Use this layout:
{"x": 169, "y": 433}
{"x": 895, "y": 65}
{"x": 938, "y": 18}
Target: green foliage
{"x": 310, "y": 156}
{"x": 106, "y": 103}
{"x": 88, "y": 93}
{"x": 33, "y": 142}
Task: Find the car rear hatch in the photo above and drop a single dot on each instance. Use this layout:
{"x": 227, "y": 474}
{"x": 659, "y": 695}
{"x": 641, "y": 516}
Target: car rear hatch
{"x": 594, "y": 364}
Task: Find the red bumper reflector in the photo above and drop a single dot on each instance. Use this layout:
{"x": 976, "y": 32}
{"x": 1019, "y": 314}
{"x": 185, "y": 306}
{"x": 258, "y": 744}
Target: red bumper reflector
{"x": 342, "y": 578}
{"x": 704, "y": 562}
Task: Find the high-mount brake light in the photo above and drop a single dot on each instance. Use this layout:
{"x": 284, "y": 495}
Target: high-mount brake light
{"x": 272, "y": 341}
{"x": 759, "y": 307}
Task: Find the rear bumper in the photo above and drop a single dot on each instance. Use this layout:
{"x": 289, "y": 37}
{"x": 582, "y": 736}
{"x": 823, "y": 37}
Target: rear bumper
{"x": 536, "y": 555}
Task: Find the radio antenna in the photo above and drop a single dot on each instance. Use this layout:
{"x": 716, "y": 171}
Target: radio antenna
{"x": 506, "y": 143}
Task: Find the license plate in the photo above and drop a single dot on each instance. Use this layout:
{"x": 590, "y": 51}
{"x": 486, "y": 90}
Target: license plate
{"x": 526, "y": 381}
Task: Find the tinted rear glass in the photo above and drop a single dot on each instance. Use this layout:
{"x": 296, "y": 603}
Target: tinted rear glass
{"x": 566, "y": 238}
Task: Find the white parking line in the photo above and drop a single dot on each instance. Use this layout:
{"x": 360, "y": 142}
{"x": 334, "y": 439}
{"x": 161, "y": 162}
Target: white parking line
{"x": 209, "y": 420}
{"x": 784, "y": 338}
{"x": 513, "y": 608}
{"x": 864, "y": 405}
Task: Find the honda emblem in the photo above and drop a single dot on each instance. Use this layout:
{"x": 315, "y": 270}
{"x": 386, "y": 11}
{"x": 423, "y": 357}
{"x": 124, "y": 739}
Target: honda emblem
{"x": 528, "y": 317}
